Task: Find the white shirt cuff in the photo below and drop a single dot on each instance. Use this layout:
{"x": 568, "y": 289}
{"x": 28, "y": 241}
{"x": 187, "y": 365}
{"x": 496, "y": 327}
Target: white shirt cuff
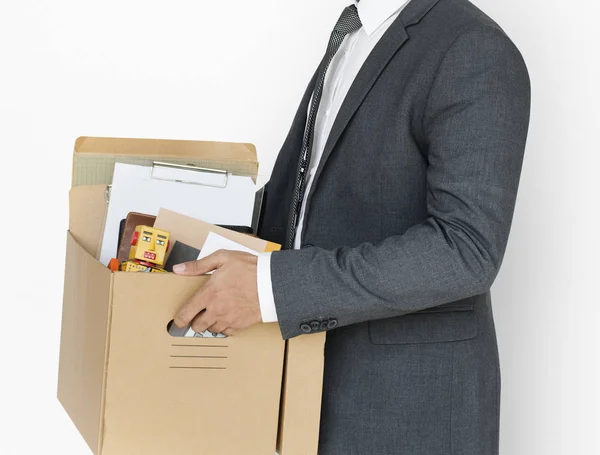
{"x": 265, "y": 288}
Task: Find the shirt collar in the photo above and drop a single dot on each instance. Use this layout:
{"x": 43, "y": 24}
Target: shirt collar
{"x": 373, "y": 13}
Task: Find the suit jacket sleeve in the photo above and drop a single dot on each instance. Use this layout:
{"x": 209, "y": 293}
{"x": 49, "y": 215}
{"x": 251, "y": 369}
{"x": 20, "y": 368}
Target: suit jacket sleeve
{"x": 475, "y": 125}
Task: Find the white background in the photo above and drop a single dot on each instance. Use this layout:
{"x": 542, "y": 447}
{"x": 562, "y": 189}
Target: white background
{"x": 234, "y": 71}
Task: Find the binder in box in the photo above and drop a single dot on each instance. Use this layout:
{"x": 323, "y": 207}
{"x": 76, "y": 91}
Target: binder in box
{"x": 130, "y": 387}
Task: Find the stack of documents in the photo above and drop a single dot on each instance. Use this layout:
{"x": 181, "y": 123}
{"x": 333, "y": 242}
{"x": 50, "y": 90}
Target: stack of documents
{"x": 214, "y": 197}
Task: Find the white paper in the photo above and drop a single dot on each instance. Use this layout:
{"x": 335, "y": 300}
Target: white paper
{"x": 134, "y": 190}
{"x": 215, "y": 242}
{"x": 188, "y": 332}
{"x": 206, "y": 334}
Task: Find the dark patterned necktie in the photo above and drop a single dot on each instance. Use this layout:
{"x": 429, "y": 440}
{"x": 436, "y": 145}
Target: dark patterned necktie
{"x": 347, "y": 23}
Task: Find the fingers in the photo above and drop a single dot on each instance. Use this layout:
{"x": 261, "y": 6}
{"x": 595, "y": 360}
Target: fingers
{"x": 192, "y": 307}
{"x": 218, "y": 327}
{"x": 202, "y": 266}
{"x": 202, "y": 322}
{"x": 222, "y": 328}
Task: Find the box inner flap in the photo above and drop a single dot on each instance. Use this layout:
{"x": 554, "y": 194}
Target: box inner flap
{"x": 94, "y": 157}
{"x": 87, "y": 212}
{"x": 193, "y": 232}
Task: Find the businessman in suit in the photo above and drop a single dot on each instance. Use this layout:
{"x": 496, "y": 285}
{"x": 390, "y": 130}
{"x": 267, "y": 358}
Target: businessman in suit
{"x": 393, "y": 196}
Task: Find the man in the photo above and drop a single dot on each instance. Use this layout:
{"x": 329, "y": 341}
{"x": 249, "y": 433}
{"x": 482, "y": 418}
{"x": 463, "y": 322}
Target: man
{"x": 393, "y": 195}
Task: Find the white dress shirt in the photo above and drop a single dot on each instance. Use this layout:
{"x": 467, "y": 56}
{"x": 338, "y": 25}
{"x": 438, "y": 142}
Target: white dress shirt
{"x": 376, "y": 16}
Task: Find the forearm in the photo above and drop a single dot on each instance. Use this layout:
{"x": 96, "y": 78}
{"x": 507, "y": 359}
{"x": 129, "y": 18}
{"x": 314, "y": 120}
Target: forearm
{"x": 431, "y": 264}
{"x": 475, "y": 127}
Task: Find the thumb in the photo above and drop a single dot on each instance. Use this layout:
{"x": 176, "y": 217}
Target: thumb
{"x": 202, "y": 266}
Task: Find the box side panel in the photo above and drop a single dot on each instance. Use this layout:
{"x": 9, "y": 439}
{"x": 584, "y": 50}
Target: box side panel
{"x": 302, "y": 393}
{"x": 83, "y": 338}
{"x": 166, "y": 394}
{"x": 282, "y": 400}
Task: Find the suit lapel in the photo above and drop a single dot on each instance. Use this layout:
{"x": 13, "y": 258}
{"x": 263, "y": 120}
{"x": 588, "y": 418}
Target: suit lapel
{"x": 391, "y": 42}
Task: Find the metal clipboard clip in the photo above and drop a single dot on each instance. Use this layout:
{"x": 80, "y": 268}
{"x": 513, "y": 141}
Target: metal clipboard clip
{"x": 183, "y": 173}
{"x": 187, "y": 173}
{"x": 196, "y": 175}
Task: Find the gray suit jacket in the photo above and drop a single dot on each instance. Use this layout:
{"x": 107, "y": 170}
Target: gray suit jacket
{"x": 405, "y": 229}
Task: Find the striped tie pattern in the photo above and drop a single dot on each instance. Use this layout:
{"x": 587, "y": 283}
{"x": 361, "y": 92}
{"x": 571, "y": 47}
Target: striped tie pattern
{"x": 347, "y": 23}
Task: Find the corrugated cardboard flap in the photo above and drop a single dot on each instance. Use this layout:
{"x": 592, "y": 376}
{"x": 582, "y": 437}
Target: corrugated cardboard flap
{"x": 94, "y": 157}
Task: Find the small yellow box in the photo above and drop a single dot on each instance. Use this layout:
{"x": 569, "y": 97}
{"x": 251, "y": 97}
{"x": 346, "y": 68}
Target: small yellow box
{"x": 132, "y": 266}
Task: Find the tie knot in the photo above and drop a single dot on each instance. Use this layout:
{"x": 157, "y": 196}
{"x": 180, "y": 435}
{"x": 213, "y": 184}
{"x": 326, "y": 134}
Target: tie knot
{"x": 349, "y": 21}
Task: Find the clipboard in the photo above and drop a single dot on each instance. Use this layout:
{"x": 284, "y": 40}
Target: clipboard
{"x": 214, "y": 195}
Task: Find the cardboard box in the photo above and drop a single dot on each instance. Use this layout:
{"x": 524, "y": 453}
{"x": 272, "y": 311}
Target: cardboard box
{"x": 131, "y": 388}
